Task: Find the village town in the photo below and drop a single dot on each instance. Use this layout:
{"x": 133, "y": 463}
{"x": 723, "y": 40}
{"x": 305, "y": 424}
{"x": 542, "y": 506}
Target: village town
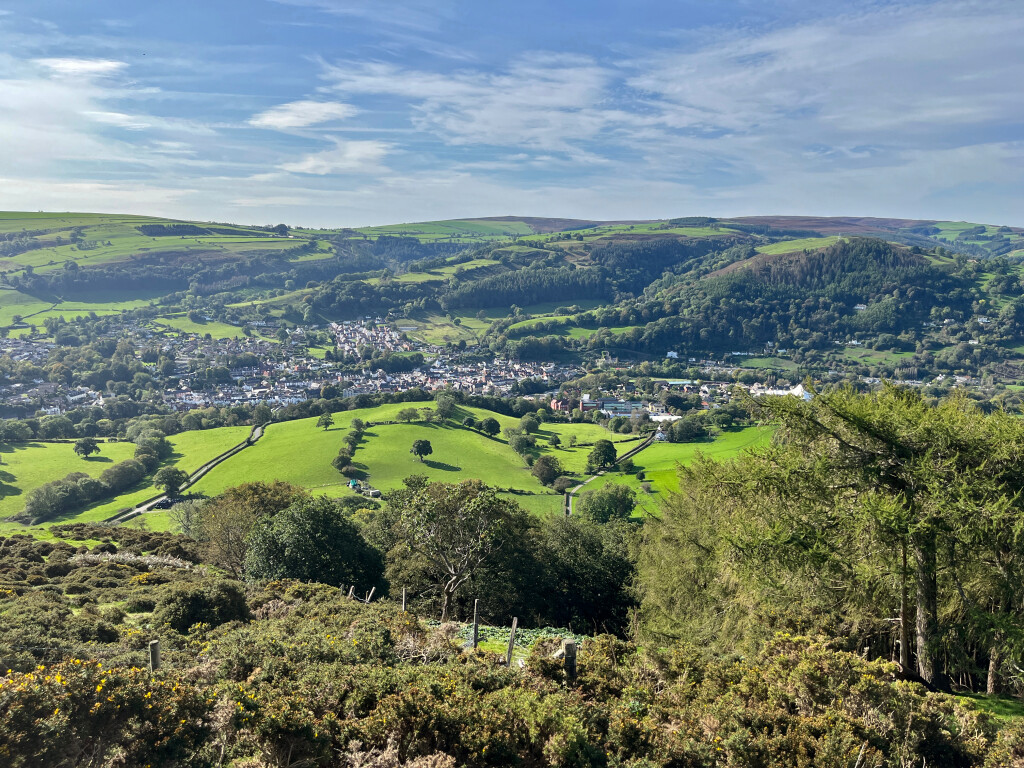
{"x": 250, "y": 370}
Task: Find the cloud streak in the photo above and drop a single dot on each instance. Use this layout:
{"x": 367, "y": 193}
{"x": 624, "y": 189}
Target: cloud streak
{"x": 81, "y": 67}
{"x": 302, "y": 114}
{"x": 344, "y": 157}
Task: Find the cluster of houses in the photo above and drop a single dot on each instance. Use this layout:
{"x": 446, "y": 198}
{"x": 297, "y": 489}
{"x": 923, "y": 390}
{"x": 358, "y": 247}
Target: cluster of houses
{"x": 352, "y": 335}
{"x": 279, "y": 373}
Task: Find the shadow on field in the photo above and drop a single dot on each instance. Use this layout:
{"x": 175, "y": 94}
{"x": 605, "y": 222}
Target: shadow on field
{"x": 100, "y": 460}
{"x": 442, "y": 466}
{"x": 8, "y": 490}
{"x": 15, "y": 447}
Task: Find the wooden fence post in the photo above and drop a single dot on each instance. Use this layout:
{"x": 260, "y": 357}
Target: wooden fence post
{"x": 351, "y": 592}
{"x": 369, "y": 596}
{"x": 154, "y": 655}
{"x": 403, "y": 599}
{"x": 569, "y": 654}
{"x": 511, "y": 643}
{"x": 476, "y": 623}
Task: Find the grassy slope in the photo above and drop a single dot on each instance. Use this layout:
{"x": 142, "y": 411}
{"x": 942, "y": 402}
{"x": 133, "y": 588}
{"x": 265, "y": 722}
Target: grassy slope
{"x": 455, "y": 229}
{"x": 38, "y": 463}
{"x": 300, "y": 453}
{"x": 216, "y": 329}
{"x": 791, "y": 246}
{"x": 15, "y": 303}
{"x": 110, "y": 238}
{"x": 659, "y": 463}
{"x": 28, "y": 465}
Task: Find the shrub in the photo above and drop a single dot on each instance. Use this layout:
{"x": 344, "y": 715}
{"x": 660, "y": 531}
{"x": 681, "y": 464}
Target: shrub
{"x": 83, "y": 713}
{"x": 313, "y": 540}
{"x": 214, "y": 603}
{"x": 563, "y": 484}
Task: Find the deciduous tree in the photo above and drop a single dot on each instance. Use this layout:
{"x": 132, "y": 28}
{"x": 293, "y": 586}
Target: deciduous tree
{"x": 86, "y": 447}
{"x": 421, "y": 448}
{"x": 170, "y": 479}
{"x": 456, "y": 528}
{"x": 603, "y": 455}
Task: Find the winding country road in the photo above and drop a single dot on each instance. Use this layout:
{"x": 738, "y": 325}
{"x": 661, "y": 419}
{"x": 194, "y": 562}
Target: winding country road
{"x": 147, "y": 506}
{"x": 571, "y": 494}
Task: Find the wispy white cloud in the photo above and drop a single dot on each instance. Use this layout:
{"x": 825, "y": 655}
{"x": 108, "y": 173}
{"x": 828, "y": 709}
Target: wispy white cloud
{"x": 542, "y": 100}
{"x": 344, "y": 157}
{"x": 420, "y": 15}
{"x": 301, "y": 114}
{"x": 81, "y": 67}
{"x": 901, "y": 76}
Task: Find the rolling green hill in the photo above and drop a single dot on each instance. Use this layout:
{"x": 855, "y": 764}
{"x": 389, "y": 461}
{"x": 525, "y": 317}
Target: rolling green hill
{"x": 300, "y": 453}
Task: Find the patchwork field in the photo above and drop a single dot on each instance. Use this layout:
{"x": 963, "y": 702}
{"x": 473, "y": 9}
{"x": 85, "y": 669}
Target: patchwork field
{"x": 455, "y": 229}
{"x": 298, "y": 452}
{"x": 91, "y": 239}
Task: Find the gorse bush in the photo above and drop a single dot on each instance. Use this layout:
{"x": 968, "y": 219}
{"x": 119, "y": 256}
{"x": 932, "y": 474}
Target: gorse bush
{"x": 182, "y": 605}
{"x": 83, "y": 713}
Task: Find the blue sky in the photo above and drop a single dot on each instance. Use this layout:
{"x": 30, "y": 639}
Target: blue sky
{"x": 342, "y": 113}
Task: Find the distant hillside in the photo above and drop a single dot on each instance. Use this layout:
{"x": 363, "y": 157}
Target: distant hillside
{"x": 938, "y": 295}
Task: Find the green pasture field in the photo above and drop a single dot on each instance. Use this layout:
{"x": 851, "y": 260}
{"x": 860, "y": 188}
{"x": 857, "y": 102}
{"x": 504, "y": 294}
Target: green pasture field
{"x": 300, "y": 453}
{"x": 455, "y": 229}
{"x": 659, "y": 463}
{"x": 791, "y": 246}
{"x": 438, "y": 329}
{"x": 536, "y": 320}
{"x": 26, "y": 466}
{"x": 191, "y": 451}
{"x": 115, "y": 238}
{"x": 16, "y": 221}
{"x": 768, "y": 362}
{"x": 285, "y": 298}
{"x": 323, "y": 250}
{"x": 35, "y": 311}
{"x": 216, "y": 329}
{"x": 16, "y": 303}
{"x": 73, "y": 310}
{"x": 572, "y": 331}
{"x": 29, "y": 465}
{"x": 575, "y": 332}
{"x": 439, "y": 274}
{"x": 951, "y": 229}
{"x": 869, "y": 356}
{"x": 549, "y": 307}
{"x": 642, "y": 228}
